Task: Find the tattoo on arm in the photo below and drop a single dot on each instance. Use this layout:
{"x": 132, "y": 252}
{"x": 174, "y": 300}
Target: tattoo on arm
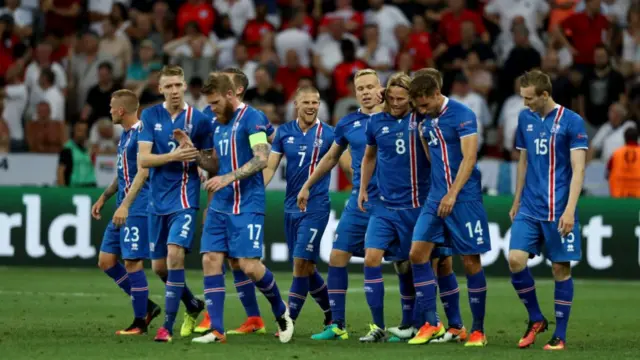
{"x": 256, "y": 164}
{"x": 111, "y": 189}
{"x": 206, "y": 160}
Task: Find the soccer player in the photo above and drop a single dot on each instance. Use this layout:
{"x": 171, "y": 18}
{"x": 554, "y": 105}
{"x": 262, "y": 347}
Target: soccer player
{"x": 175, "y": 192}
{"x": 349, "y": 238}
{"x": 552, "y": 141}
{"x": 244, "y": 286}
{"x": 453, "y": 207}
{"x": 236, "y": 215}
{"x": 127, "y": 234}
{"x": 393, "y": 151}
{"x": 304, "y": 142}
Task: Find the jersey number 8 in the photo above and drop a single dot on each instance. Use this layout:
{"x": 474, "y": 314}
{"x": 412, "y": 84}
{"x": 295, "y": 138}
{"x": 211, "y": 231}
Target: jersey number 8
{"x": 400, "y": 148}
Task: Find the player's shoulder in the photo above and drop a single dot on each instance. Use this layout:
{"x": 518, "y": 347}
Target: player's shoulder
{"x": 327, "y": 127}
{"x": 285, "y": 128}
{"x": 571, "y": 115}
{"x": 151, "y": 111}
{"x": 525, "y": 115}
{"x": 458, "y": 108}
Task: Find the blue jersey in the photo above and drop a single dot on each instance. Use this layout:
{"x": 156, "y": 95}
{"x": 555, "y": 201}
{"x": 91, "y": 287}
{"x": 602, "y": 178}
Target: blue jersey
{"x": 231, "y": 141}
{"x": 127, "y": 170}
{"x": 402, "y": 165}
{"x": 548, "y": 143}
{"x": 268, "y": 128}
{"x": 444, "y": 135}
{"x": 351, "y": 132}
{"x": 176, "y": 185}
{"x": 303, "y": 152}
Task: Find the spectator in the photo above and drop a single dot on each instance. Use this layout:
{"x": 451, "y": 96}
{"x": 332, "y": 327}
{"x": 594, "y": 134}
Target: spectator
{"x": 104, "y": 137}
{"x": 264, "y": 93}
{"x": 117, "y": 45}
{"x": 295, "y": 38}
{"x": 508, "y": 123}
{"x": 198, "y": 11}
{"x": 503, "y": 12}
{"x": 288, "y": 76}
{"x": 22, "y": 18}
{"x": 610, "y": 136}
{"x": 7, "y": 43}
{"x": 268, "y": 56}
{"x": 348, "y": 67}
{"x": 59, "y": 49}
{"x": 120, "y": 18}
{"x": 323, "y": 111}
{"x": 142, "y": 29}
{"x": 149, "y": 93}
{"x": 452, "y": 19}
{"x": 99, "y": 11}
{"x": 631, "y": 44}
{"x": 43, "y": 134}
{"x": 5, "y": 137}
{"x": 255, "y": 30}
{"x": 624, "y": 168}
{"x": 347, "y": 104}
{"x": 16, "y": 98}
{"x": 99, "y": 97}
{"x": 239, "y": 12}
{"x": 480, "y": 79}
{"x": 387, "y": 18}
{"x": 307, "y": 23}
{"x": 193, "y": 96}
{"x": 522, "y": 58}
{"x": 327, "y": 54}
{"x": 75, "y": 168}
{"x": 560, "y": 10}
{"x": 375, "y": 53}
{"x": 194, "y": 52}
{"x": 42, "y": 60}
{"x": 242, "y": 62}
{"x": 462, "y": 92}
{"x": 138, "y": 72}
{"x": 61, "y": 15}
{"x": 353, "y": 19}
{"x": 563, "y": 92}
{"x": 224, "y": 41}
{"x": 47, "y": 91}
{"x": 601, "y": 87}
{"x": 506, "y": 40}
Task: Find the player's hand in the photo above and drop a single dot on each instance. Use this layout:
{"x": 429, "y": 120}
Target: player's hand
{"x": 120, "y": 216}
{"x": 514, "y": 211}
{"x": 184, "y": 154}
{"x": 446, "y": 205}
{"x": 218, "y": 182}
{"x": 303, "y": 197}
{"x": 182, "y": 138}
{"x": 363, "y": 197}
{"x": 565, "y": 225}
{"x": 96, "y": 208}
{"x": 379, "y": 94}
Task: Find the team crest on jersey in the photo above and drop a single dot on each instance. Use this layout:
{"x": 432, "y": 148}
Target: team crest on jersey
{"x": 434, "y": 123}
{"x": 555, "y": 128}
{"x": 290, "y": 140}
{"x": 357, "y": 124}
{"x": 413, "y": 125}
{"x": 317, "y": 143}
{"x": 188, "y": 128}
{"x": 385, "y": 130}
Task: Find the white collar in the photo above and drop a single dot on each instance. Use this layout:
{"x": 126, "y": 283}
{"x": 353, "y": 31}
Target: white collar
{"x": 185, "y": 106}
{"x": 444, "y": 103}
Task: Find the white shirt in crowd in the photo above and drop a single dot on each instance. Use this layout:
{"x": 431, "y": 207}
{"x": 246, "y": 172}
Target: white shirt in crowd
{"x": 508, "y": 120}
{"x": 607, "y": 140}
{"x": 15, "y": 103}
{"x": 387, "y": 18}
{"x": 249, "y": 69}
{"x": 102, "y": 143}
{"x": 330, "y": 55}
{"x": 199, "y": 103}
{"x": 21, "y": 16}
{"x": 240, "y": 12}
{"x": 479, "y": 106}
{"x": 32, "y": 75}
{"x": 380, "y": 57}
{"x": 531, "y": 10}
{"x": 53, "y": 96}
{"x": 225, "y": 50}
{"x": 296, "y": 39}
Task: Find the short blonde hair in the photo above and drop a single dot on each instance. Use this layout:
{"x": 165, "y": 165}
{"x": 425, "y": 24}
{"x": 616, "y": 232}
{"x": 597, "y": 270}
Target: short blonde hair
{"x": 364, "y": 72}
{"x": 540, "y": 81}
{"x": 128, "y": 99}
{"x": 306, "y": 89}
{"x": 172, "y": 70}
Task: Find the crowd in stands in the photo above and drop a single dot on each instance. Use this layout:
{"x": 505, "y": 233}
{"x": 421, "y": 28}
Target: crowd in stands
{"x": 60, "y": 60}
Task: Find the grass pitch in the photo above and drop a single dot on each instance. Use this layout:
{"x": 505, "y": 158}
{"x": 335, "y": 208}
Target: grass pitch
{"x": 73, "y": 314}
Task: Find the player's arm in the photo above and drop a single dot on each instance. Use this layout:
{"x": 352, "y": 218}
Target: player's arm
{"x": 579, "y": 145}
{"x": 520, "y": 176}
{"x": 104, "y": 197}
{"x": 121, "y": 214}
{"x": 578, "y": 165}
{"x": 469, "y": 145}
{"x": 423, "y": 141}
{"x": 345, "y": 165}
{"x": 366, "y": 172}
{"x": 149, "y": 160}
{"x": 261, "y": 148}
{"x": 272, "y": 167}
{"x": 206, "y": 159}
{"x": 328, "y": 162}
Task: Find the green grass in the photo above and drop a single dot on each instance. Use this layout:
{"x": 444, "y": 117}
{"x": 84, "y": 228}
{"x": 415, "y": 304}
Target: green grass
{"x": 72, "y": 314}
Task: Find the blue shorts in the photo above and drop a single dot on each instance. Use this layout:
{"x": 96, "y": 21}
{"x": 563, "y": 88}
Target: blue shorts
{"x": 465, "y": 230}
{"x": 303, "y": 232}
{"x": 130, "y": 241}
{"x": 239, "y": 236}
{"x": 529, "y": 234}
{"x": 390, "y": 230}
{"x": 177, "y": 228}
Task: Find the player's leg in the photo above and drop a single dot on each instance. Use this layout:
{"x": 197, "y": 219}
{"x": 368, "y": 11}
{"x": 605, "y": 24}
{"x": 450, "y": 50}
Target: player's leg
{"x": 449, "y": 295}
{"x": 246, "y": 290}
{"x": 245, "y": 245}
{"x": 526, "y": 234}
{"x": 561, "y": 251}
{"x": 311, "y": 232}
{"x": 468, "y": 228}
{"x": 108, "y": 258}
{"x": 428, "y": 230}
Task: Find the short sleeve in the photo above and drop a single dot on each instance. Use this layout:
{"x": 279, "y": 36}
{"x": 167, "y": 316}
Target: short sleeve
{"x": 269, "y": 129}
{"x": 276, "y": 145}
{"x": 146, "y": 133}
{"x": 339, "y": 137}
{"x": 520, "y": 144}
{"x": 371, "y": 133}
{"x": 256, "y": 123}
{"x": 578, "y": 138}
{"x": 468, "y": 125}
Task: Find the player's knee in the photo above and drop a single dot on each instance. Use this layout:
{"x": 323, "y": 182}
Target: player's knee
{"x": 445, "y": 266}
{"x": 373, "y": 258}
{"x": 253, "y": 268}
{"x": 212, "y": 263}
{"x": 418, "y": 256}
{"x": 160, "y": 267}
{"x": 561, "y": 271}
{"x": 106, "y": 261}
{"x": 234, "y": 264}
{"x": 517, "y": 260}
{"x": 175, "y": 257}
{"x": 339, "y": 258}
{"x": 472, "y": 264}
{"x": 402, "y": 267}
{"x": 133, "y": 265}
{"x": 302, "y": 267}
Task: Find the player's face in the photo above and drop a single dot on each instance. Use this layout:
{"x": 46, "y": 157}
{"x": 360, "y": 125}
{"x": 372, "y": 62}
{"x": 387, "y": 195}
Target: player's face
{"x": 428, "y": 105}
{"x": 366, "y": 86}
{"x": 533, "y": 101}
{"x": 173, "y": 89}
{"x": 116, "y": 110}
{"x": 398, "y": 100}
{"x": 221, "y": 107}
{"x": 308, "y": 105}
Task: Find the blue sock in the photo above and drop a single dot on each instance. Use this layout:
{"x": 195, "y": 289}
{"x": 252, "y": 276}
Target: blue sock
{"x": 267, "y": 285}
{"x": 407, "y": 297}
{"x": 189, "y": 301}
{"x": 119, "y": 274}
{"x": 374, "y": 291}
{"x": 173, "y": 294}
{"x": 214, "y": 294}
{"x": 477, "y": 288}
{"x": 526, "y": 288}
{"x": 297, "y": 295}
{"x": 246, "y": 292}
{"x": 337, "y": 284}
{"x": 318, "y": 289}
{"x": 139, "y": 294}
{"x": 424, "y": 282}
{"x": 563, "y": 297}
{"x": 450, "y": 297}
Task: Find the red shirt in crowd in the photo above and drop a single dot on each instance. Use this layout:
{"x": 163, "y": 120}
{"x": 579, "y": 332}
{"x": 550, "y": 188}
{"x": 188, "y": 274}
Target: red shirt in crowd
{"x": 6, "y": 54}
{"x": 65, "y": 24}
{"x": 253, "y": 32}
{"x": 419, "y": 47}
{"x": 309, "y": 26}
{"x": 341, "y": 75}
{"x": 288, "y": 78}
{"x": 347, "y": 15}
{"x": 201, "y": 13}
{"x": 586, "y": 33}
{"x": 450, "y": 25}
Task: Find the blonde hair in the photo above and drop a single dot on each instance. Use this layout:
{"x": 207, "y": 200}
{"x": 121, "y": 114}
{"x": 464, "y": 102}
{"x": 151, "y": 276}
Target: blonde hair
{"x": 399, "y": 79}
{"x": 364, "y": 72}
{"x": 172, "y": 70}
{"x": 128, "y": 99}
{"x": 306, "y": 89}
{"x": 539, "y": 80}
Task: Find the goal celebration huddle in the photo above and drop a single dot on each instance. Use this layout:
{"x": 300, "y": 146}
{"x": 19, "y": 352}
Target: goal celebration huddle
{"x": 411, "y": 154}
